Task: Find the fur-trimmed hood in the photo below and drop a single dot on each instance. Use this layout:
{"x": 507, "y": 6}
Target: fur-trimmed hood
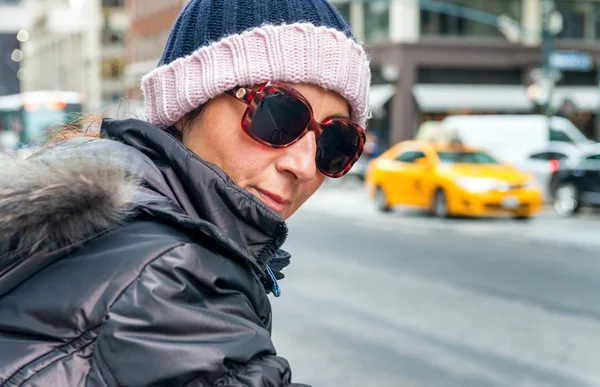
{"x": 83, "y": 187}
{"x": 57, "y": 198}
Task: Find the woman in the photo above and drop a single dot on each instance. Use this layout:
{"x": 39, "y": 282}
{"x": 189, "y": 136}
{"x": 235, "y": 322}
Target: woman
{"x": 145, "y": 257}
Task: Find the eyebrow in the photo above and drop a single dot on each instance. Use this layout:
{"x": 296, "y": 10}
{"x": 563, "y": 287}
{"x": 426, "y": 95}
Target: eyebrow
{"x": 338, "y": 116}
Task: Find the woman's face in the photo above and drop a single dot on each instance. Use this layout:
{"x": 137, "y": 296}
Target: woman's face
{"x": 282, "y": 178}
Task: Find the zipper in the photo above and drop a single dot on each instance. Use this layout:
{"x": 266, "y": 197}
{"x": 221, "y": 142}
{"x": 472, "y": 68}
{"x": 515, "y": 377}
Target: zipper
{"x": 273, "y": 244}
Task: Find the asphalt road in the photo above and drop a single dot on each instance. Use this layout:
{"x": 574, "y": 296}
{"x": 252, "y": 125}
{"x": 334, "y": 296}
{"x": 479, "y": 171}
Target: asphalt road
{"x": 380, "y": 303}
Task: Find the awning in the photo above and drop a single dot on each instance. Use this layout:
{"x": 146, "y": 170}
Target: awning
{"x": 585, "y": 98}
{"x": 442, "y": 98}
{"x": 379, "y": 95}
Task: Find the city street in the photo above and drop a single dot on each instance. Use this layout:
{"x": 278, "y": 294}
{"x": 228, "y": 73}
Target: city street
{"x": 402, "y": 299}
{"x": 474, "y": 104}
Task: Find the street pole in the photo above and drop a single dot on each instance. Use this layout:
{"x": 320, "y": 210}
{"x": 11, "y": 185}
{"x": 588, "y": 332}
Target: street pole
{"x": 548, "y": 8}
{"x": 597, "y": 131}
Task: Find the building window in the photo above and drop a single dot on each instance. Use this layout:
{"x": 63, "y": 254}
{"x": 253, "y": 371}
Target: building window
{"x": 574, "y": 19}
{"x": 435, "y": 23}
{"x": 113, "y": 37}
{"x": 377, "y": 20}
{"x": 596, "y": 20}
{"x": 112, "y": 3}
{"x": 581, "y": 19}
{"x": 113, "y": 68}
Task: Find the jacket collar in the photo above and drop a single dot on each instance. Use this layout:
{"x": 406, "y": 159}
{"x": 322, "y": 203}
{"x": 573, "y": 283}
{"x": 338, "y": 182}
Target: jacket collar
{"x": 201, "y": 192}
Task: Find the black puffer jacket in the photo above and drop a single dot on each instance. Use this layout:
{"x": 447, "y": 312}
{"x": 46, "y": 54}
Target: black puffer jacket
{"x": 134, "y": 263}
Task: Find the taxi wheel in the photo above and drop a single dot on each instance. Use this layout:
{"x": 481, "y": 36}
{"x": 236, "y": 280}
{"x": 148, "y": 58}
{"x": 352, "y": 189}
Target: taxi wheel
{"x": 523, "y": 218}
{"x": 440, "y": 204}
{"x": 381, "y": 200}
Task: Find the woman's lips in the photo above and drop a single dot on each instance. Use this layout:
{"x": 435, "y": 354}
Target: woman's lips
{"x": 275, "y": 202}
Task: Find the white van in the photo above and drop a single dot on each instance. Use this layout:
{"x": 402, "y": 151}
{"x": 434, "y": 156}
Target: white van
{"x": 510, "y": 138}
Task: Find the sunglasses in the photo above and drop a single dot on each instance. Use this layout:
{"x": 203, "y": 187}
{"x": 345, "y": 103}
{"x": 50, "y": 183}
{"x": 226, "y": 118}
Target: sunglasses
{"x": 278, "y": 116}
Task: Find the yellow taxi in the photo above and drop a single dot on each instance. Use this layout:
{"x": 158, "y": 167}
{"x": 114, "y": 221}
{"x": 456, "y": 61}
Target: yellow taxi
{"x": 450, "y": 180}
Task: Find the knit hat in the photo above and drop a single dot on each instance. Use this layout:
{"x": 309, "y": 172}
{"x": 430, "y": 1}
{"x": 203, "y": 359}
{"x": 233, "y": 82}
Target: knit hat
{"x": 216, "y": 45}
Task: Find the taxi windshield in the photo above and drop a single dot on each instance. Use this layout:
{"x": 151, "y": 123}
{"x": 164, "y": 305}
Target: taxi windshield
{"x": 466, "y": 158}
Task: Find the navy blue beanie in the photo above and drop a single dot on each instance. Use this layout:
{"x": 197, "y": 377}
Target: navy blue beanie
{"x": 216, "y": 45}
{"x": 206, "y": 21}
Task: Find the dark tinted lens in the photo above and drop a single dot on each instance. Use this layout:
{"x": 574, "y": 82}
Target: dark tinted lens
{"x": 336, "y": 147}
{"x": 279, "y": 119}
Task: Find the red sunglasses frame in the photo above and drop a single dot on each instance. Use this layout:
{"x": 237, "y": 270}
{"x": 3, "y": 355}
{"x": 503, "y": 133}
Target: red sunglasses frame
{"x": 252, "y": 98}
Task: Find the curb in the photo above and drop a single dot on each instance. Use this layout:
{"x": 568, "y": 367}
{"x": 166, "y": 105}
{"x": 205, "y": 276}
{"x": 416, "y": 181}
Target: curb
{"x": 450, "y": 228}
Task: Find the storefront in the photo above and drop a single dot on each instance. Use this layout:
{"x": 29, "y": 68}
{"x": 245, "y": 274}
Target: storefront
{"x": 439, "y": 77}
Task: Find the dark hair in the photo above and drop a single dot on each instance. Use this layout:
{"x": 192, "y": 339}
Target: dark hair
{"x": 186, "y": 122}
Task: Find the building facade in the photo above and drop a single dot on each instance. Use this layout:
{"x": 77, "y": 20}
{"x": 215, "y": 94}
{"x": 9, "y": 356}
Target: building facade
{"x": 427, "y": 64}
{"x": 13, "y": 17}
{"x": 79, "y": 46}
{"x": 150, "y": 23}
{"x": 9, "y": 64}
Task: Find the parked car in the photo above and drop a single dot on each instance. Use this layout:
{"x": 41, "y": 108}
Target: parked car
{"x": 543, "y": 162}
{"x": 451, "y": 180}
{"x": 576, "y": 184}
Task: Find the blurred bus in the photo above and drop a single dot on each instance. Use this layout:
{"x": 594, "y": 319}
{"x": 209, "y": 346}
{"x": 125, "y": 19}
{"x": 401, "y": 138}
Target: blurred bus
{"x": 30, "y": 114}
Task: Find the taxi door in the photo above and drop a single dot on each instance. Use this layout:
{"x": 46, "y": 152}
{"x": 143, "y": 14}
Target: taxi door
{"x": 422, "y": 182}
{"x": 407, "y": 175}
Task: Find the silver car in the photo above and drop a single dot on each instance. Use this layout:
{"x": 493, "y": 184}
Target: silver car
{"x": 542, "y": 162}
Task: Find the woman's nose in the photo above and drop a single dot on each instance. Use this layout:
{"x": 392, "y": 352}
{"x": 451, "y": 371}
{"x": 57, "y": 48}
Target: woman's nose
{"x": 299, "y": 158}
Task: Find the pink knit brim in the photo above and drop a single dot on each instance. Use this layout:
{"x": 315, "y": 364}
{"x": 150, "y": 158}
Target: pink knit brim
{"x": 294, "y": 53}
